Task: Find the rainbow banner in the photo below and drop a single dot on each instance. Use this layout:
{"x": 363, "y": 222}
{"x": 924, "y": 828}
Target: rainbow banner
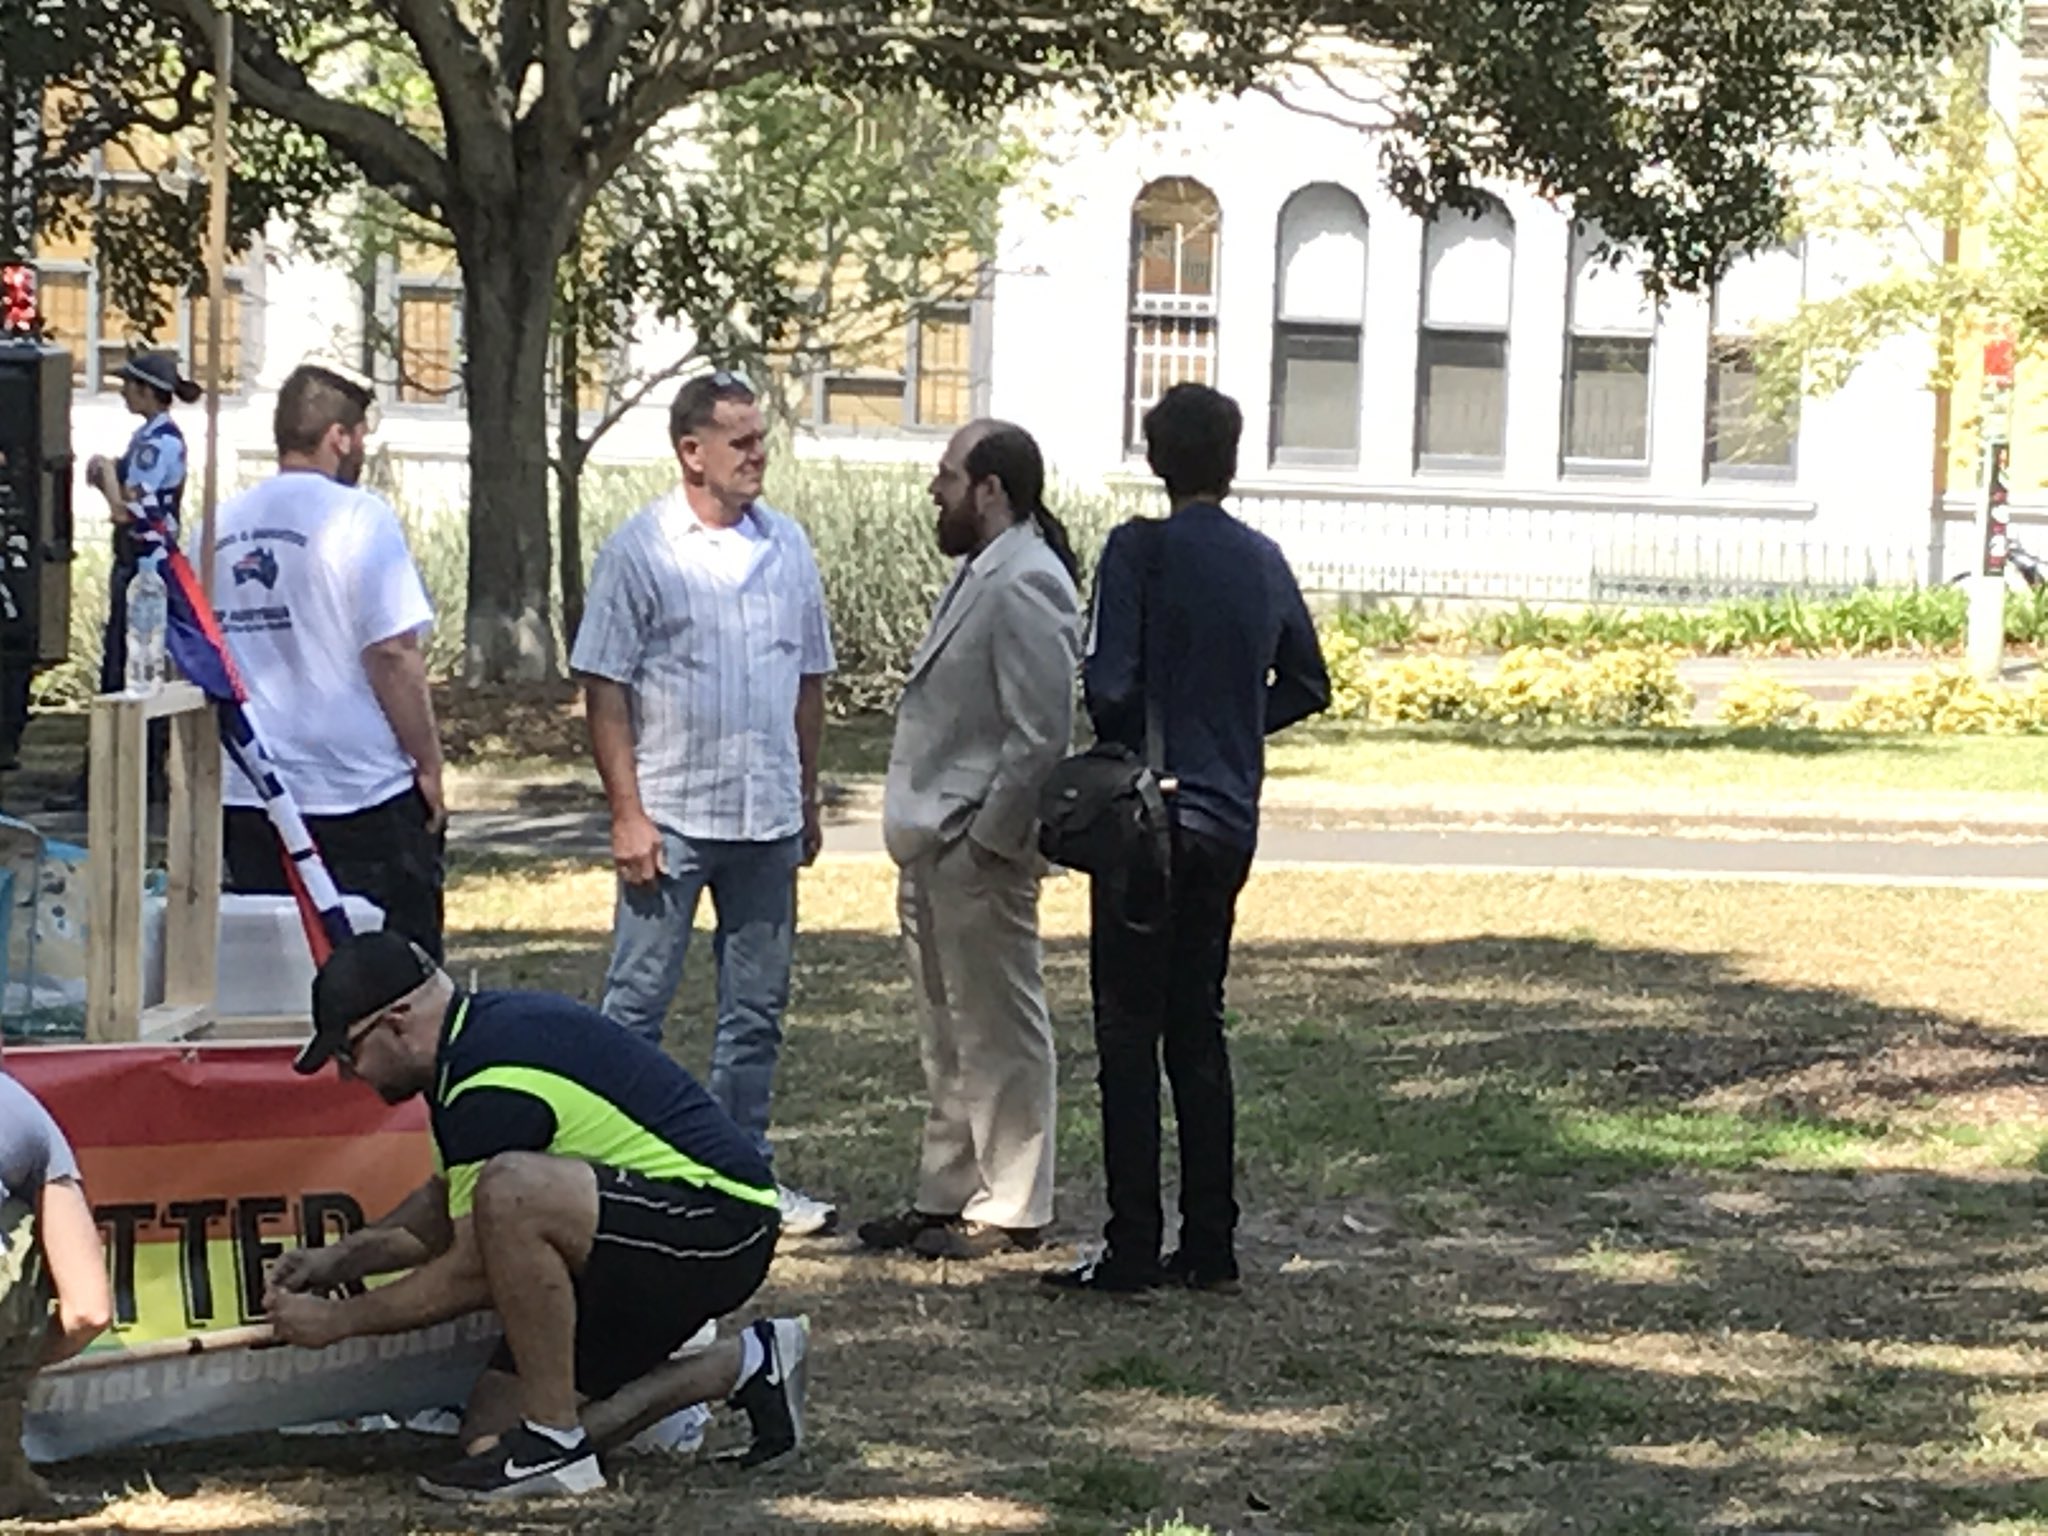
{"x": 204, "y": 1163}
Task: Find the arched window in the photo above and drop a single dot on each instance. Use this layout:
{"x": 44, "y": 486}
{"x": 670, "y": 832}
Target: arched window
{"x": 1318, "y": 327}
{"x": 1612, "y": 332}
{"x": 1175, "y": 227}
{"x": 1743, "y": 442}
{"x": 1462, "y": 380}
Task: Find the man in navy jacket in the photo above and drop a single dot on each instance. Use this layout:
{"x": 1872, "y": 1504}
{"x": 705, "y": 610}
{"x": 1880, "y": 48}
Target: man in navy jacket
{"x": 1238, "y": 660}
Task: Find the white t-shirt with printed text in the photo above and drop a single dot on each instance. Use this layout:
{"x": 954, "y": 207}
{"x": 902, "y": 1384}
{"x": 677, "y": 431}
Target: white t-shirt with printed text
{"x": 308, "y": 573}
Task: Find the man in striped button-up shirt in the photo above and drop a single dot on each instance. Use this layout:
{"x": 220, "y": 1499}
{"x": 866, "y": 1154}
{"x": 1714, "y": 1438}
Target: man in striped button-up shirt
{"x": 703, "y": 653}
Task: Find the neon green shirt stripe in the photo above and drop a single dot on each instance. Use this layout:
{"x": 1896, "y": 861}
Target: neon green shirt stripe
{"x": 591, "y": 1128}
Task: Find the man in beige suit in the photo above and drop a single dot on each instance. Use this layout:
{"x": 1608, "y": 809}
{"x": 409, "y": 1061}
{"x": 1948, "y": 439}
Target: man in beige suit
{"x": 987, "y": 713}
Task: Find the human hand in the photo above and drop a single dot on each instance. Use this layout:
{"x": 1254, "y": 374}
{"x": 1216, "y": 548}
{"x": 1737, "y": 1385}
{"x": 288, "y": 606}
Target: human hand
{"x": 984, "y": 857}
{"x": 311, "y": 1322}
{"x": 636, "y": 849}
{"x": 814, "y": 833}
{"x": 305, "y": 1269}
{"x": 428, "y": 781}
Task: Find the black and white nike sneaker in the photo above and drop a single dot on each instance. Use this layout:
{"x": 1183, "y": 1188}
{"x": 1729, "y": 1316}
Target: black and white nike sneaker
{"x": 773, "y": 1397}
{"x": 524, "y": 1464}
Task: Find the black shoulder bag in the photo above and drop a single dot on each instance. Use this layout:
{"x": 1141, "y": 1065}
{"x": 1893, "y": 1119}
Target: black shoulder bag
{"x": 1104, "y": 811}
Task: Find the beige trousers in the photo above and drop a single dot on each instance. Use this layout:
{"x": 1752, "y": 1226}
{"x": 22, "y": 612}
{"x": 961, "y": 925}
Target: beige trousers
{"x": 972, "y": 938}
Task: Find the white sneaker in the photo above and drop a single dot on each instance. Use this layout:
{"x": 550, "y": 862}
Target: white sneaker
{"x": 804, "y": 1217}
{"x": 682, "y": 1432}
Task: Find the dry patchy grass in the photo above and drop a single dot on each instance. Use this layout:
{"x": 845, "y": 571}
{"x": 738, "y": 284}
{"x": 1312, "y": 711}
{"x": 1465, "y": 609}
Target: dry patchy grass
{"x": 1573, "y": 1204}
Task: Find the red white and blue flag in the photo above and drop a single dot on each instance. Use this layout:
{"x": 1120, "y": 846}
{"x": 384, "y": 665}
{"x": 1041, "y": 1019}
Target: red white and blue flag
{"x": 195, "y": 642}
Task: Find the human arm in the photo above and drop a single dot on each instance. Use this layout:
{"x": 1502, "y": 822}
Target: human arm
{"x": 606, "y": 657}
{"x": 450, "y": 1284}
{"x": 816, "y": 662}
{"x": 1112, "y": 676}
{"x": 636, "y": 840}
{"x": 1036, "y": 634}
{"x": 392, "y": 614}
{"x": 397, "y": 670}
{"x": 77, "y": 1267}
{"x": 810, "y": 736}
{"x": 412, "y": 1234}
{"x": 1300, "y": 682}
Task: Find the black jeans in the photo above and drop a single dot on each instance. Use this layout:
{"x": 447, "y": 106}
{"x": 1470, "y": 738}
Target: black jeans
{"x": 384, "y": 854}
{"x": 1157, "y": 988}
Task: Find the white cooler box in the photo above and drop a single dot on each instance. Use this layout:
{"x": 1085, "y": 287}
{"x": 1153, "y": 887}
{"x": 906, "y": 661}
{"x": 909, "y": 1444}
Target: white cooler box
{"x": 265, "y": 969}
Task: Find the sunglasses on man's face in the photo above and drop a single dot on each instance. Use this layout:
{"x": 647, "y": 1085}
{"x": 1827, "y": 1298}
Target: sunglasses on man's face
{"x": 727, "y": 378}
{"x": 345, "y": 1053}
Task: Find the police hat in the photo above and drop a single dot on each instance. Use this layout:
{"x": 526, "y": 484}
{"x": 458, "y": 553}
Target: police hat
{"x": 159, "y": 370}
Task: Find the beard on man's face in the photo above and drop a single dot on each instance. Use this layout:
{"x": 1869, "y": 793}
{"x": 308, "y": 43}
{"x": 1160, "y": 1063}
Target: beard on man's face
{"x": 350, "y": 470}
{"x": 956, "y": 530}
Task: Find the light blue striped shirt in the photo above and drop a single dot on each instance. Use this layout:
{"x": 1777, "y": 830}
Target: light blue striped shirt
{"x": 710, "y": 634}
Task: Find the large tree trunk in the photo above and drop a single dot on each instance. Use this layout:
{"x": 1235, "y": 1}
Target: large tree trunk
{"x": 508, "y": 294}
{"x": 569, "y": 452}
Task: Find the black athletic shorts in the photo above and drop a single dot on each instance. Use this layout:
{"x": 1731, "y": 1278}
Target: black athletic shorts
{"x": 668, "y": 1258}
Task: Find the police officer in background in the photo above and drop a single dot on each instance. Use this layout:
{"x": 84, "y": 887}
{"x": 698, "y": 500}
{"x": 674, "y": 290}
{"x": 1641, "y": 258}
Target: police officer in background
{"x": 148, "y": 481}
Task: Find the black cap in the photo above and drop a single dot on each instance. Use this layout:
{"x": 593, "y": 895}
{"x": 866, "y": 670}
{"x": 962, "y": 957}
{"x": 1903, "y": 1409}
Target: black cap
{"x": 365, "y": 975}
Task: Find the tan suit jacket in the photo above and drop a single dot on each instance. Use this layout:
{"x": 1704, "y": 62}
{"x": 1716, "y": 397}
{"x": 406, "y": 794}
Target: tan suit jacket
{"x": 988, "y": 708}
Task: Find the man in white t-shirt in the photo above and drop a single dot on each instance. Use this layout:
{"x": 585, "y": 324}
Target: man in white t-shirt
{"x": 324, "y": 612}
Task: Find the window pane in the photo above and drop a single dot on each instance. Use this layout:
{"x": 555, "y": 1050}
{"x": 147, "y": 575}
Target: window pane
{"x": 1464, "y": 395}
{"x": 1316, "y": 388}
{"x": 62, "y": 297}
{"x": 1607, "y": 399}
{"x": 1322, "y": 256}
{"x": 871, "y": 404}
{"x": 1166, "y": 351}
{"x": 1739, "y": 434}
{"x": 122, "y": 335}
{"x": 1758, "y": 290}
{"x": 1468, "y": 269}
{"x": 1174, "y": 250}
{"x": 944, "y": 370}
{"x": 426, "y": 346}
{"x": 1607, "y": 293}
{"x": 230, "y": 338}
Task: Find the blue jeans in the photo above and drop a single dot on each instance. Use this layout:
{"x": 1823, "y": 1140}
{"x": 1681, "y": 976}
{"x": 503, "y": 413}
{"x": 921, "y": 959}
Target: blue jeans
{"x": 753, "y": 897}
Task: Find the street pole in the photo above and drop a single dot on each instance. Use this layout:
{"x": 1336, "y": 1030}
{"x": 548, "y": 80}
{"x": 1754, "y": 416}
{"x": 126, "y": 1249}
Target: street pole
{"x": 1985, "y": 643}
{"x": 216, "y": 283}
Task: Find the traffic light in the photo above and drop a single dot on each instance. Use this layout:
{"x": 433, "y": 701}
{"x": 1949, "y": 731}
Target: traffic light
{"x": 18, "y": 299}
{"x": 35, "y": 502}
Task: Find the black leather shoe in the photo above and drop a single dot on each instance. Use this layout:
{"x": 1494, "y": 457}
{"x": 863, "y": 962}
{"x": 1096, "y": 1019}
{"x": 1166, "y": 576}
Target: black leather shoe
{"x": 1104, "y": 1276}
{"x": 1218, "y": 1276}
{"x": 887, "y": 1234}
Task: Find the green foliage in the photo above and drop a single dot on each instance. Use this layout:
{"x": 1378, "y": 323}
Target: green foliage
{"x": 1639, "y": 689}
{"x": 1348, "y": 659}
{"x": 1757, "y": 701}
{"x": 1105, "y": 1483}
{"x": 1536, "y": 685}
{"x": 1368, "y": 1490}
{"x": 1416, "y": 689}
{"x": 1946, "y": 701}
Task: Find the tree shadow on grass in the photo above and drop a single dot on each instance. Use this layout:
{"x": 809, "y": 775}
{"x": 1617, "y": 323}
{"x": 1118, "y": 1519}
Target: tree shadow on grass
{"x": 1540, "y": 1230}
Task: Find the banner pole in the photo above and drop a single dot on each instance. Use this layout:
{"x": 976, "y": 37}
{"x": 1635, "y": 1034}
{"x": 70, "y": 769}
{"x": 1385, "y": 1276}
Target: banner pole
{"x": 216, "y": 284}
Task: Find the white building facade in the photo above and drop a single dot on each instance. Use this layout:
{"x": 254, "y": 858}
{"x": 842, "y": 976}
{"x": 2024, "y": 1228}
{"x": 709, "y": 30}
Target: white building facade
{"x": 1479, "y": 405}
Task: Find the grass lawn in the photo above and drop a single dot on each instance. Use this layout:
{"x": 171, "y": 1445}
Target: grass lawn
{"x": 1571, "y": 1205}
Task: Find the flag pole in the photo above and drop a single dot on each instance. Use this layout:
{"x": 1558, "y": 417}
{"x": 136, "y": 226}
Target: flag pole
{"x": 216, "y": 284}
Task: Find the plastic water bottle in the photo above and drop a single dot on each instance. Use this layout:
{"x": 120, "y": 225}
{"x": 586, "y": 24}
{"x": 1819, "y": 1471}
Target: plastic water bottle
{"x": 148, "y": 615}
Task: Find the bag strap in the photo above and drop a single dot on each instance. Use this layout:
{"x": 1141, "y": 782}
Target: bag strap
{"x": 1151, "y": 649}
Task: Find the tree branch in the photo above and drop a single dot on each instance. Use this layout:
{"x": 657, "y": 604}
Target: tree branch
{"x": 388, "y": 155}
{"x": 474, "y": 109}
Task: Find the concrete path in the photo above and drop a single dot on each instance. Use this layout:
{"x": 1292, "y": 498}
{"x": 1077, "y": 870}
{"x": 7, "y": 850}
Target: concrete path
{"x": 1846, "y": 857}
